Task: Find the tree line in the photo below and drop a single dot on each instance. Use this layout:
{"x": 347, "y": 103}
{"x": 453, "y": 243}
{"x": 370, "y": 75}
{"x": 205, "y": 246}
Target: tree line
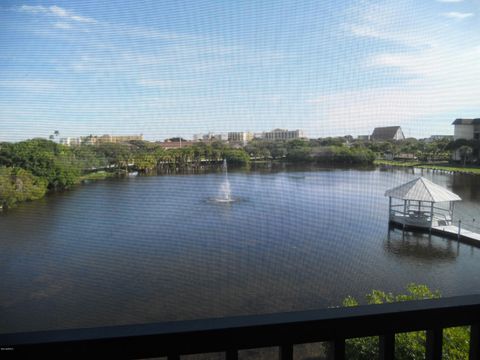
{"x": 29, "y": 169}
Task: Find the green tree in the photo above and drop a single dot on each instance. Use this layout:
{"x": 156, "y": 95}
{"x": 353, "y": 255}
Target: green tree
{"x": 17, "y": 185}
{"x": 407, "y": 345}
{"x": 236, "y": 156}
{"x": 465, "y": 151}
{"x": 45, "y": 159}
{"x": 299, "y": 154}
{"x": 116, "y": 155}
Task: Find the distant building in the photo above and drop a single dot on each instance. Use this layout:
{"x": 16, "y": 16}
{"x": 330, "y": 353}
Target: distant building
{"x": 468, "y": 129}
{"x": 364, "y": 137}
{"x": 388, "y": 133}
{"x": 280, "y": 134}
{"x": 104, "y": 139}
{"x": 240, "y": 136}
{"x": 70, "y": 141}
{"x": 210, "y": 137}
{"x": 96, "y": 140}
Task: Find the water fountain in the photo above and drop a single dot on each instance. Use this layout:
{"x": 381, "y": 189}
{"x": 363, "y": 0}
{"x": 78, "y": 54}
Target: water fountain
{"x": 225, "y": 195}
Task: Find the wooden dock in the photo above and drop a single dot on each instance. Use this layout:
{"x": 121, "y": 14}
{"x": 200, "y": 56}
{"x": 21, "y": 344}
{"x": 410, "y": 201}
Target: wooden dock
{"x": 453, "y": 231}
{"x": 450, "y": 231}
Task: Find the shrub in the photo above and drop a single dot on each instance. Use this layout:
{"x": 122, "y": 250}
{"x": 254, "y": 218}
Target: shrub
{"x": 407, "y": 345}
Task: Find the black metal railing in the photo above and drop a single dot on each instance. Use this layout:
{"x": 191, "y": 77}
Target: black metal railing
{"x": 284, "y": 330}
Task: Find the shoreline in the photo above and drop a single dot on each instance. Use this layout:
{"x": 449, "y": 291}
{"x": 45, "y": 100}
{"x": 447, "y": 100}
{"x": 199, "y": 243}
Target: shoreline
{"x": 266, "y": 164}
{"x": 445, "y": 168}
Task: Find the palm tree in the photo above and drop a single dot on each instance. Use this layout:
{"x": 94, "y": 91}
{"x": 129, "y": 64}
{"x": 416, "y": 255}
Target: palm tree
{"x": 465, "y": 151}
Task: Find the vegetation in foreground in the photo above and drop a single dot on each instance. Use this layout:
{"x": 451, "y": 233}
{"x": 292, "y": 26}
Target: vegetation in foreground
{"x": 407, "y": 345}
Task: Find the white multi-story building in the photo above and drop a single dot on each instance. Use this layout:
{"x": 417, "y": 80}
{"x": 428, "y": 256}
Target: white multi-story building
{"x": 210, "y": 137}
{"x": 70, "y": 141}
{"x": 281, "y": 134}
{"x": 468, "y": 129}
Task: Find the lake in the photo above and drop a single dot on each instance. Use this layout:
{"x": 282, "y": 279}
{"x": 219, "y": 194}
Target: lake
{"x": 156, "y": 248}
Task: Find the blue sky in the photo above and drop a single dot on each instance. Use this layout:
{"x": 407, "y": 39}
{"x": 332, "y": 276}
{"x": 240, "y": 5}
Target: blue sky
{"x": 166, "y": 68}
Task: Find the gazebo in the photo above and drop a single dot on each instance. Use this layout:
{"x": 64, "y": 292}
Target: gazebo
{"x": 421, "y": 203}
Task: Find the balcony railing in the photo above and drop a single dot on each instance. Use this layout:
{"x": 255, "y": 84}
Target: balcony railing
{"x": 284, "y": 330}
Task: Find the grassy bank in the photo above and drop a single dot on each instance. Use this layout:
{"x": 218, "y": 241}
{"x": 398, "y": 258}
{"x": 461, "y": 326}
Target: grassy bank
{"x": 417, "y": 164}
{"x": 99, "y": 175}
{"x": 397, "y": 163}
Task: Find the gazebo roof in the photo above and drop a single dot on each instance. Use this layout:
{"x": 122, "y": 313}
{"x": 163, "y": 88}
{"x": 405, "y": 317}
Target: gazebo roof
{"x": 421, "y": 189}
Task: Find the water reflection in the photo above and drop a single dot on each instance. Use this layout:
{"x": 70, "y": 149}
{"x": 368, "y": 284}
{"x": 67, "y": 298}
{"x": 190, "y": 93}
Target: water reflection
{"x": 419, "y": 246}
{"x": 148, "y": 249}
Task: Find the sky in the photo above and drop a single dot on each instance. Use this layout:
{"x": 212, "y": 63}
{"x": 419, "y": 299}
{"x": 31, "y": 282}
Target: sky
{"x": 177, "y": 68}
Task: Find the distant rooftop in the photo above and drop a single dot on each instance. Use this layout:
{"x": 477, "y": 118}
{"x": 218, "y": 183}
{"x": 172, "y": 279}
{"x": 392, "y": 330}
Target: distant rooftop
{"x": 385, "y": 133}
{"x": 467, "y": 122}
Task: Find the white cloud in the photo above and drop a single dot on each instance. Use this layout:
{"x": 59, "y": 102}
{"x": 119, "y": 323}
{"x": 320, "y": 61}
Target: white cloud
{"x": 33, "y": 9}
{"x": 450, "y": 1}
{"x": 55, "y": 11}
{"x": 390, "y": 22}
{"x": 62, "y": 25}
{"x": 457, "y": 15}
{"x": 433, "y": 80}
{"x": 444, "y": 81}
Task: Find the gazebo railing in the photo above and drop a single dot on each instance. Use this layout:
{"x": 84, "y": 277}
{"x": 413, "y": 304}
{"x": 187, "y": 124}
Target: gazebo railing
{"x": 421, "y": 214}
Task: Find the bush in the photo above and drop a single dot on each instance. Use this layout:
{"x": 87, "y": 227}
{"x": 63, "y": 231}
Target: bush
{"x": 17, "y": 185}
{"x": 345, "y": 155}
{"x": 44, "y": 159}
{"x": 407, "y": 345}
{"x": 236, "y": 156}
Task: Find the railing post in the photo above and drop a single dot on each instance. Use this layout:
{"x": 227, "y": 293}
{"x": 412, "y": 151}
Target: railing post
{"x": 387, "y": 347}
{"x": 338, "y": 349}
{"x": 474, "y": 342}
{"x": 434, "y": 344}
{"x": 231, "y": 354}
{"x": 286, "y": 352}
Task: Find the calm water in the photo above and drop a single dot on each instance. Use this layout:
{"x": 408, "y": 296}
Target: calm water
{"x": 150, "y": 249}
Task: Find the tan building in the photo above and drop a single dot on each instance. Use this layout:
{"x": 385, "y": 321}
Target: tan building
{"x": 281, "y": 134}
{"x": 104, "y": 139}
{"x": 240, "y": 136}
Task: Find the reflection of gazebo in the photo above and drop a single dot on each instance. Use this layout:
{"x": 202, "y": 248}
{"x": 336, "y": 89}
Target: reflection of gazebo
{"x": 423, "y": 204}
